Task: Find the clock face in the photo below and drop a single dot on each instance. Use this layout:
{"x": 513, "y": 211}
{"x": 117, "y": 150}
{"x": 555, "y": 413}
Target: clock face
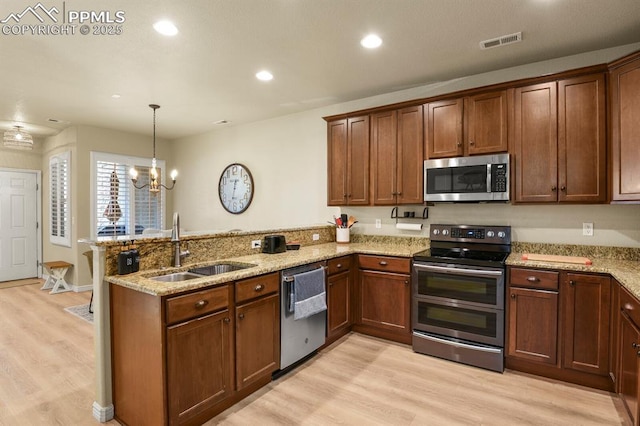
{"x": 235, "y": 188}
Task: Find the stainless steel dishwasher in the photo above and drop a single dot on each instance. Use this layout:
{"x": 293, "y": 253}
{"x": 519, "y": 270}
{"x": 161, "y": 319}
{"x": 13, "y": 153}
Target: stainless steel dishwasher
{"x": 298, "y": 338}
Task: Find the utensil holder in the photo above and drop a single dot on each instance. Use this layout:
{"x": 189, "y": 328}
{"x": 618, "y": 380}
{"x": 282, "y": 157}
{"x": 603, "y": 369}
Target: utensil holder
{"x": 342, "y": 235}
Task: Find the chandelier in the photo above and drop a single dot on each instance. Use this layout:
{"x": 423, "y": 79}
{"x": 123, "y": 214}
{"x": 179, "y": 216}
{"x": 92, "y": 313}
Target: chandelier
{"x": 154, "y": 185}
{"x": 18, "y": 139}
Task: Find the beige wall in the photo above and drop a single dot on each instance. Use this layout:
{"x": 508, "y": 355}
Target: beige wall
{"x": 19, "y": 159}
{"x": 287, "y": 157}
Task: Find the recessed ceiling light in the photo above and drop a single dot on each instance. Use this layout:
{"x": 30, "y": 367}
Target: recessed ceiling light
{"x": 371, "y": 41}
{"x": 165, "y": 28}
{"x": 115, "y": 96}
{"x": 264, "y": 75}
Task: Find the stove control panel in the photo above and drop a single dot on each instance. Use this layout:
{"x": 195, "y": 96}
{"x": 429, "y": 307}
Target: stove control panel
{"x": 471, "y": 233}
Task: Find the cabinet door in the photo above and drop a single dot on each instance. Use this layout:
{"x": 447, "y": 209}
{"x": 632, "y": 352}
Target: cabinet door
{"x": 629, "y": 353}
{"x": 443, "y": 136}
{"x": 338, "y": 317}
{"x": 587, "y": 311}
{"x": 536, "y": 143}
{"x": 337, "y": 163}
{"x": 410, "y": 156}
{"x": 533, "y": 325}
{"x": 257, "y": 340}
{"x": 582, "y": 150}
{"x": 198, "y": 365}
{"x": 385, "y": 301}
{"x": 486, "y": 117}
{"x": 384, "y": 159}
{"x": 358, "y": 161}
{"x": 625, "y": 128}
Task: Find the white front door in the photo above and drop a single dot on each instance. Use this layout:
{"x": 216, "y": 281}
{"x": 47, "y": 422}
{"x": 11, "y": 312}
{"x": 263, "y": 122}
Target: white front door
{"x": 18, "y": 225}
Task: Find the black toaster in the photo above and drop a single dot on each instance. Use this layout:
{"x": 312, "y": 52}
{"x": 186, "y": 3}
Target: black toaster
{"x": 274, "y": 244}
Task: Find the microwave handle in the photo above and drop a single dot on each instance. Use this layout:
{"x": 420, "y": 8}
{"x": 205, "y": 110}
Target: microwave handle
{"x": 488, "y": 177}
{"x": 459, "y": 271}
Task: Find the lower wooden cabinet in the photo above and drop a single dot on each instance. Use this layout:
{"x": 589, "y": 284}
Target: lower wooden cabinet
{"x": 339, "y": 297}
{"x": 559, "y": 325}
{"x": 384, "y": 300}
{"x": 257, "y": 340}
{"x": 628, "y": 351}
{"x": 199, "y": 365}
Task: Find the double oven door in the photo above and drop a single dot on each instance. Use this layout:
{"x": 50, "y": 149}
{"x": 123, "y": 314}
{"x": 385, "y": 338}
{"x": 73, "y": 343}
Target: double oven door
{"x": 458, "y": 301}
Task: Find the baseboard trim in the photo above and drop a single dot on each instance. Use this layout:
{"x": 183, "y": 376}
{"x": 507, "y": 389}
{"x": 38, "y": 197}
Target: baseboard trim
{"x": 80, "y": 288}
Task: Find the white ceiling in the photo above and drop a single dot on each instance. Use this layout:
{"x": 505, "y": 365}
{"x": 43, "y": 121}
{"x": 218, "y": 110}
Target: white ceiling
{"x": 206, "y": 72}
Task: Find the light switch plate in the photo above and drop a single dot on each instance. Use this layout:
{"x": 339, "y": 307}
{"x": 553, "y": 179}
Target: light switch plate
{"x": 316, "y": 237}
{"x": 256, "y": 244}
{"x": 378, "y": 223}
{"x": 587, "y": 229}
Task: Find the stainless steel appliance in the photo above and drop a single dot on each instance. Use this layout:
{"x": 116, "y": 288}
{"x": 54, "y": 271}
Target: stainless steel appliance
{"x": 477, "y": 178}
{"x": 458, "y": 292}
{"x": 298, "y": 338}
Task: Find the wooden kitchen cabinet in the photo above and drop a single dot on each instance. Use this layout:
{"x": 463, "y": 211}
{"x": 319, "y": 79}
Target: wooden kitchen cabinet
{"x": 384, "y": 302}
{"x": 339, "y": 297}
{"x": 629, "y": 353}
{"x": 397, "y": 157}
{"x": 587, "y": 312}
{"x": 473, "y": 125}
{"x": 533, "y": 325}
{"x": 625, "y": 129}
{"x": 348, "y": 161}
{"x": 199, "y": 366}
{"x": 257, "y": 328}
{"x": 559, "y": 140}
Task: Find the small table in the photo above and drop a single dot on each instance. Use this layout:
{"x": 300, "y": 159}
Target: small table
{"x": 55, "y": 281}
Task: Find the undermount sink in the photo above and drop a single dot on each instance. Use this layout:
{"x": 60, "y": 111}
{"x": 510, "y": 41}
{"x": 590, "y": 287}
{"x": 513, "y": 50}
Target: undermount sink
{"x": 220, "y": 268}
{"x": 176, "y": 277}
{"x": 201, "y": 272}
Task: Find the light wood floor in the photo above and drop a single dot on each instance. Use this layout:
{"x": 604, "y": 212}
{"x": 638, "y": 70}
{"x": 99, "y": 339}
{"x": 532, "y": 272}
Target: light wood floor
{"x": 47, "y": 376}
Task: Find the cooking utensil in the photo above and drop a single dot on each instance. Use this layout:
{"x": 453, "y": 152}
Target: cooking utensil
{"x": 351, "y": 221}
{"x": 344, "y": 219}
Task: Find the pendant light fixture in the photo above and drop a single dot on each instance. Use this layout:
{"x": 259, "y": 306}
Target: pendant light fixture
{"x": 154, "y": 185}
{"x": 18, "y": 139}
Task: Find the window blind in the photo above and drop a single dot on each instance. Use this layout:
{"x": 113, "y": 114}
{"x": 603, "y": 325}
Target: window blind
{"x": 59, "y": 191}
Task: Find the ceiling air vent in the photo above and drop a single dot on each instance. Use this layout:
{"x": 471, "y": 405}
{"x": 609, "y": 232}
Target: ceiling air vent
{"x": 501, "y": 41}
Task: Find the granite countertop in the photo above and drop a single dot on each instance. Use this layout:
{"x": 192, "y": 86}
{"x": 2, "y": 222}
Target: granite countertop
{"x": 265, "y": 263}
{"x": 627, "y": 272}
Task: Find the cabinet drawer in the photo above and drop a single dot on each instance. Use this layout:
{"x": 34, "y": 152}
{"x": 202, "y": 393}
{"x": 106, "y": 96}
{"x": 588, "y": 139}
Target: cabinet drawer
{"x": 340, "y": 264}
{"x": 256, "y": 287}
{"x": 534, "y": 278}
{"x": 191, "y": 305}
{"x": 630, "y": 305}
{"x": 387, "y": 264}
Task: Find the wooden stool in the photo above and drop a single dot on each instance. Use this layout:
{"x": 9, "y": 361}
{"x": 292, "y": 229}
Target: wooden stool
{"x": 55, "y": 281}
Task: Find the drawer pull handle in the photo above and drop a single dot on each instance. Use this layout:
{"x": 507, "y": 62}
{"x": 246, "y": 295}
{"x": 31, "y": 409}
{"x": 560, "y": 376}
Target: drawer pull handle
{"x": 259, "y": 287}
{"x": 513, "y": 296}
{"x": 339, "y": 265}
{"x": 634, "y": 345}
{"x": 227, "y": 320}
{"x": 241, "y": 316}
{"x": 201, "y": 304}
{"x": 533, "y": 279}
{"x": 383, "y": 263}
{"x": 572, "y": 282}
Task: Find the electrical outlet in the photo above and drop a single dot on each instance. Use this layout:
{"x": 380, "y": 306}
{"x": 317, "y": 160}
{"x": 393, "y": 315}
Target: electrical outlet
{"x": 256, "y": 244}
{"x": 587, "y": 229}
{"x": 378, "y": 223}
{"x": 316, "y": 237}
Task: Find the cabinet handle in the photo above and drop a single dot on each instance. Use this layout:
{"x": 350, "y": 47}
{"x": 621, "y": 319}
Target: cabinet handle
{"x": 553, "y": 188}
{"x": 459, "y": 143}
{"x": 572, "y": 283}
{"x": 639, "y": 353}
{"x": 339, "y": 265}
{"x": 563, "y": 188}
{"x": 634, "y": 345}
{"x": 513, "y": 296}
{"x": 201, "y": 304}
{"x": 241, "y": 316}
{"x": 259, "y": 287}
{"x": 383, "y": 263}
{"x": 533, "y": 279}
{"x": 472, "y": 143}
{"x": 227, "y": 320}
{"x": 406, "y": 282}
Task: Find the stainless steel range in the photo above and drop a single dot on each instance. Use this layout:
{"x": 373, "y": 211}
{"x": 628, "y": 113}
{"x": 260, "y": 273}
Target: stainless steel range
{"x": 458, "y": 292}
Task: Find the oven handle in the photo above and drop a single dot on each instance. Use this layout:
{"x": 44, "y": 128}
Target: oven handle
{"x": 460, "y": 271}
{"x": 456, "y": 344}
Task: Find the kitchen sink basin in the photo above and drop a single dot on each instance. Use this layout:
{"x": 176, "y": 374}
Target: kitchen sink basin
{"x": 176, "y": 277}
{"x": 220, "y": 268}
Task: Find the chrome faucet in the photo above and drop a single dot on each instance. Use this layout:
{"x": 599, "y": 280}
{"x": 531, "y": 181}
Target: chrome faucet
{"x": 175, "y": 239}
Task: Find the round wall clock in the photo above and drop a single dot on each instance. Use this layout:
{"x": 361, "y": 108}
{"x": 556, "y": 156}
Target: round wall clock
{"x": 235, "y": 188}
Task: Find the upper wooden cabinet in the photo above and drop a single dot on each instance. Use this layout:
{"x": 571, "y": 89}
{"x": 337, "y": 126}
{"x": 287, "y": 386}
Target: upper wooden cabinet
{"x": 348, "y": 161}
{"x": 397, "y": 157}
{"x": 559, "y": 141}
{"x": 467, "y": 126}
{"x": 625, "y": 130}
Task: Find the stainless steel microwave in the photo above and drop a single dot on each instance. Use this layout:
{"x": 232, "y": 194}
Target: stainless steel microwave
{"x": 477, "y": 178}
